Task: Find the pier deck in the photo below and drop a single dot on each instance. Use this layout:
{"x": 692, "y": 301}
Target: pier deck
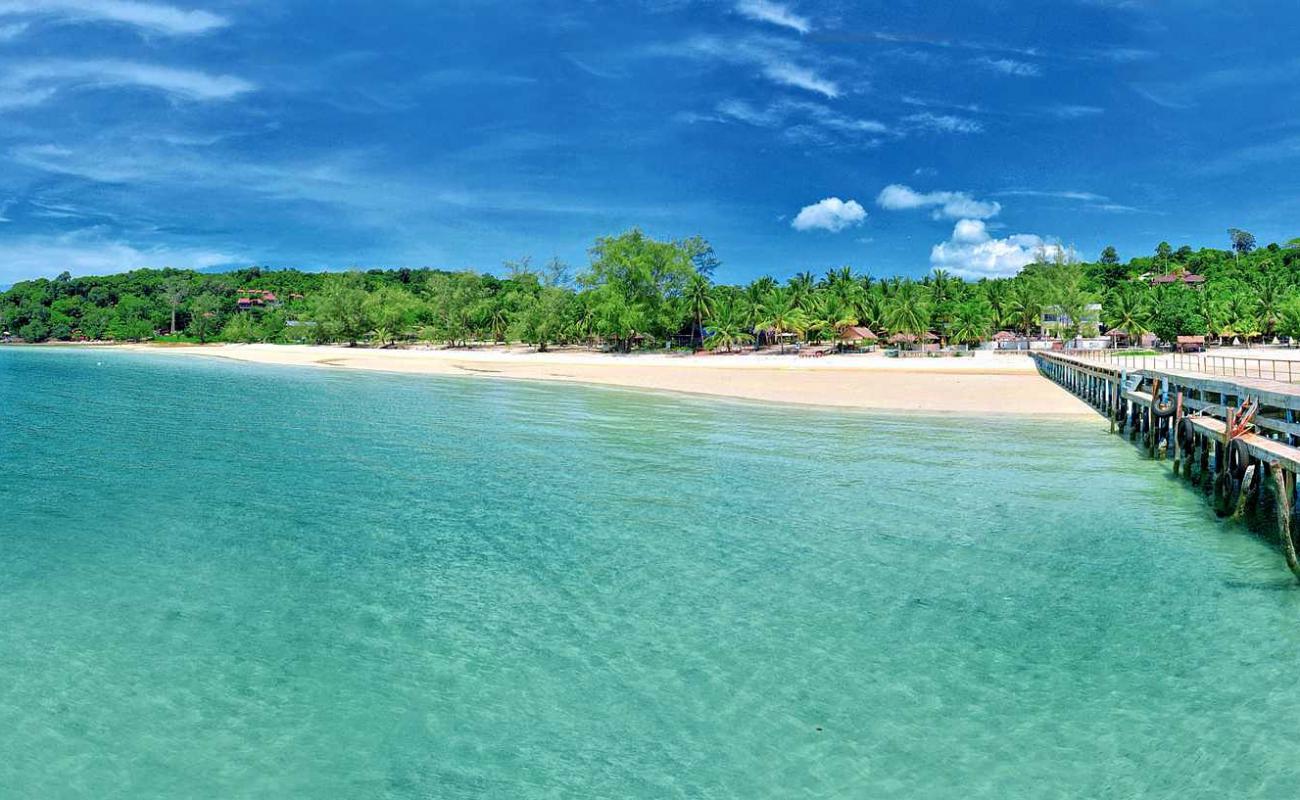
{"x": 1239, "y": 437}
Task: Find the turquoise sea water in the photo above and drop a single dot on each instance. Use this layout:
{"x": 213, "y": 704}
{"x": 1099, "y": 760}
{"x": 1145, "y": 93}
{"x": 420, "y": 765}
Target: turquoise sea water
{"x": 223, "y": 580}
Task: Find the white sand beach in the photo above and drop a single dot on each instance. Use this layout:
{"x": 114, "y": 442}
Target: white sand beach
{"x": 984, "y": 384}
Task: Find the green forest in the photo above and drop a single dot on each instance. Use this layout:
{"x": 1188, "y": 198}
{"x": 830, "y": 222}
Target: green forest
{"x": 638, "y": 292}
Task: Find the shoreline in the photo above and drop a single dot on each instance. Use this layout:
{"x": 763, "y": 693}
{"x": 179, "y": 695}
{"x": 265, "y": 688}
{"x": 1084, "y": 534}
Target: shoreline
{"x": 985, "y": 384}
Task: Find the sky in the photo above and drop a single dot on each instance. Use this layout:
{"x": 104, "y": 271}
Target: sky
{"x": 892, "y": 137}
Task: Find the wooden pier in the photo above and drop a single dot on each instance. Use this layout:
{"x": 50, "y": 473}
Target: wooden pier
{"x": 1237, "y": 437}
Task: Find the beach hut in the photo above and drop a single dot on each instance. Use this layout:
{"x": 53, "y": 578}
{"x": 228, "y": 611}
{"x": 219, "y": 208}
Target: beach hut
{"x": 1190, "y": 344}
{"x": 855, "y": 335}
{"x": 909, "y": 340}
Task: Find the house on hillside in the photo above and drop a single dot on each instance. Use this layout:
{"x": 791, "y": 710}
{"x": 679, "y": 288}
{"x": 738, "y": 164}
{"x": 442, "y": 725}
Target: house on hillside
{"x": 1185, "y": 278}
{"x": 250, "y": 299}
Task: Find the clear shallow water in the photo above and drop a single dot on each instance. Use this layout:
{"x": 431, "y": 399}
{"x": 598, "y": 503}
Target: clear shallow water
{"x": 222, "y": 580}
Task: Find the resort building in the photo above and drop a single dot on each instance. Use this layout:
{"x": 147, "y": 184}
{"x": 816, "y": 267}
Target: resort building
{"x": 256, "y": 298}
{"x": 1185, "y": 278}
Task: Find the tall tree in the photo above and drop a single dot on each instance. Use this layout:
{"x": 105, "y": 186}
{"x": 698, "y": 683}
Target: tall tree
{"x": 909, "y": 310}
{"x": 174, "y": 292}
{"x": 1242, "y": 241}
{"x": 699, "y": 302}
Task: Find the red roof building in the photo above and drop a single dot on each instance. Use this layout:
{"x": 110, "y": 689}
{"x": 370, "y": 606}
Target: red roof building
{"x": 1188, "y": 279}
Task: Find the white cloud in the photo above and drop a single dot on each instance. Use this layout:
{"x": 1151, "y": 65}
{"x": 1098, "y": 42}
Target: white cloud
{"x": 1074, "y": 111}
{"x": 952, "y": 205}
{"x": 973, "y": 253}
{"x": 154, "y": 17}
{"x": 775, "y": 13}
{"x": 970, "y": 231}
{"x": 784, "y": 111}
{"x": 831, "y": 214}
{"x": 789, "y": 74}
{"x": 778, "y": 60}
{"x": 35, "y": 82}
{"x": 1009, "y": 66}
{"x": 90, "y": 251}
{"x": 1087, "y": 197}
{"x": 943, "y": 123}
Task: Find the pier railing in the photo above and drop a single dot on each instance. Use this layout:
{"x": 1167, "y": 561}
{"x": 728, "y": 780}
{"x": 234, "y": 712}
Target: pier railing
{"x": 1273, "y": 369}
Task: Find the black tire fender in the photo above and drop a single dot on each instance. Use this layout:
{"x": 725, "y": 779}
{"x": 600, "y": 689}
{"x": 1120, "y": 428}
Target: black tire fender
{"x": 1238, "y": 458}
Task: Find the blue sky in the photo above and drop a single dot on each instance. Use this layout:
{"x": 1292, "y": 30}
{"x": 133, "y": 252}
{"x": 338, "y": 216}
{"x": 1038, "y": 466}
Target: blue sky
{"x": 892, "y": 137}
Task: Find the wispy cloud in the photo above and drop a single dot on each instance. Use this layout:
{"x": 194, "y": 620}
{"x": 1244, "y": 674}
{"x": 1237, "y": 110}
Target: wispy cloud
{"x": 1008, "y": 66}
{"x": 780, "y": 61}
{"x": 942, "y": 123}
{"x": 802, "y": 122}
{"x": 1090, "y": 200}
{"x": 1087, "y": 197}
{"x": 33, "y": 83}
{"x": 831, "y": 214}
{"x": 774, "y": 13}
{"x": 952, "y": 205}
{"x": 1066, "y": 111}
{"x": 788, "y": 74}
{"x": 152, "y": 17}
{"x": 1286, "y": 149}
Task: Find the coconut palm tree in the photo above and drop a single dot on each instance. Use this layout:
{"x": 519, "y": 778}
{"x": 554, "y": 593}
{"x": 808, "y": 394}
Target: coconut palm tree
{"x": 800, "y": 286}
{"x": 909, "y": 310}
{"x": 727, "y": 327}
{"x": 1026, "y": 307}
{"x": 1129, "y": 313}
{"x": 828, "y": 317}
{"x": 1210, "y": 309}
{"x": 971, "y": 322}
{"x": 699, "y": 304}
{"x": 781, "y": 314}
{"x": 1269, "y": 293}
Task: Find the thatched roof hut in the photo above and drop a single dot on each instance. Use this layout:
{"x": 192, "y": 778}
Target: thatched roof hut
{"x": 910, "y": 338}
{"x": 858, "y": 333}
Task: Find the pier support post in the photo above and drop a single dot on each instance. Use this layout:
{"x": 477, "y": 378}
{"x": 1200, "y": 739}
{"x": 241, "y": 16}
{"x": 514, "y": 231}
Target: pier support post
{"x": 1244, "y": 492}
{"x": 1284, "y": 483}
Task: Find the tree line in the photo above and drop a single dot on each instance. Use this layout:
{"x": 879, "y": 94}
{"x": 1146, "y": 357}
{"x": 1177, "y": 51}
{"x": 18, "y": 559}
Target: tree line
{"x": 641, "y": 292}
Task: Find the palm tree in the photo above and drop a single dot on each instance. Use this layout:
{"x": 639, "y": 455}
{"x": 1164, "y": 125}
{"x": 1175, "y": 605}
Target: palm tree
{"x": 1270, "y": 298}
{"x": 909, "y": 310}
{"x": 828, "y": 317}
{"x": 699, "y": 302}
{"x": 800, "y": 286}
{"x": 727, "y": 327}
{"x": 1210, "y": 310}
{"x": 971, "y": 322}
{"x": 941, "y": 286}
{"x": 1026, "y": 306}
{"x": 1129, "y": 312}
{"x": 781, "y": 314}
{"x": 1241, "y": 313}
